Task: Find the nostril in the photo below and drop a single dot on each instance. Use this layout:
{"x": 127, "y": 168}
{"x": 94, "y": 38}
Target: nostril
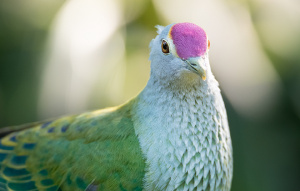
{"x": 193, "y": 64}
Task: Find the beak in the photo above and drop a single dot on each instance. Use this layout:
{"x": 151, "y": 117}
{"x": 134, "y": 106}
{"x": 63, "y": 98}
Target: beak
{"x": 197, "y": 65}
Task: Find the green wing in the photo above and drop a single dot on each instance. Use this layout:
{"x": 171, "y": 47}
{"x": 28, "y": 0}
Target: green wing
{"x": 93, "y": 151}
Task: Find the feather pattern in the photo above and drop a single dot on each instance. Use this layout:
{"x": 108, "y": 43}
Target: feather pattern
{"x": 184, "y": 136}
{"x": 92, "y": 151}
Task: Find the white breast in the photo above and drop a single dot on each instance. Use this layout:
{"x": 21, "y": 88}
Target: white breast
{"x": 185, "y": 138}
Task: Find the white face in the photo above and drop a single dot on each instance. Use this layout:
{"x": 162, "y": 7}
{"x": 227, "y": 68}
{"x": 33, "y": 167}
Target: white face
{"x": 169, "y": 67}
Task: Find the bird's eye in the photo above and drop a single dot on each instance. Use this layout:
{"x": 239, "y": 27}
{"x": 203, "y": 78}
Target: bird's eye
{"x": 164, "y": 47}
{"x": 208, "y": 44}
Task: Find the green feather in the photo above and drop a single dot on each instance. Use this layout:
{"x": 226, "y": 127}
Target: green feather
{"x": 93, "y": 151}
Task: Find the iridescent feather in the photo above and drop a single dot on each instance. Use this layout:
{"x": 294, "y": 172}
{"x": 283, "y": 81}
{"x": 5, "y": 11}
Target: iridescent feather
{"x": 92, "y": 151}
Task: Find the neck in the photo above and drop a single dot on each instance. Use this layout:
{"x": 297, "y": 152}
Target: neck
{"x": 179, "y": 90}
{"x": 178, "y": 132}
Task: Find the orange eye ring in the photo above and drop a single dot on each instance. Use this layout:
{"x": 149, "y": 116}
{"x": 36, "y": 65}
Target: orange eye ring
{"x": 208, "y": 44}
{"x": 165, "y": 47}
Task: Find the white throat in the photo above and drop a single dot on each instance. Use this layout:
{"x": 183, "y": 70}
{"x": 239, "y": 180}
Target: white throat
{"x": 184, "y": 137}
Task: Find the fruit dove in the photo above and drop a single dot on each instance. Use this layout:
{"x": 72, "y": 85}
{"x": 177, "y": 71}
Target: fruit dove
{"x": 173, "y": 136}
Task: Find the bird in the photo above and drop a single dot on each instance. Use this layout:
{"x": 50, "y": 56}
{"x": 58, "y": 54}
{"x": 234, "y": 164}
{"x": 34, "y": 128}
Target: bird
{"x": 174, "y": 135}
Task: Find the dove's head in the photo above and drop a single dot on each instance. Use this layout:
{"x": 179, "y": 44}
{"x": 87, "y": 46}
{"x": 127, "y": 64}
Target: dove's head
{"x": 179, "y": 54}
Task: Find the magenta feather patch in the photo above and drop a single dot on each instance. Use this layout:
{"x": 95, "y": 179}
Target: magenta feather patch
{"x": 189, "y": 39}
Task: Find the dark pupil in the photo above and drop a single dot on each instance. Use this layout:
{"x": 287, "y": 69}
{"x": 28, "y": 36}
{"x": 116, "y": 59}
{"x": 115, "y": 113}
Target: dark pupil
{"x": 165, "y": 46}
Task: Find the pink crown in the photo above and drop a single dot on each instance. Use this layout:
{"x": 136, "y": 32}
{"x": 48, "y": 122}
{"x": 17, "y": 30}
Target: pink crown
{"x": 189, "y": 39}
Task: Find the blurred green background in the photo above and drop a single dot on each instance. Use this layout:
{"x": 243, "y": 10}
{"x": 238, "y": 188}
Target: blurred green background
{"x": 62, "y": 57}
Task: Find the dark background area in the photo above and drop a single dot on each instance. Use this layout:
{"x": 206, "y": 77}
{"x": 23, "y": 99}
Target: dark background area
{"x": 266, "y": 147}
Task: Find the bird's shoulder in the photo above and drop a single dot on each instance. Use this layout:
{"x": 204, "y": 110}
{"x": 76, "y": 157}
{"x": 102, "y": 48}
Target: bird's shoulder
{"x": 113, "y": 122}
{"x": 94, "y": 150}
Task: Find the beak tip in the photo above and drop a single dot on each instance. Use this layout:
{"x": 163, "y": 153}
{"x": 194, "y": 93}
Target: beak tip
{"x": 203, "y": 76}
